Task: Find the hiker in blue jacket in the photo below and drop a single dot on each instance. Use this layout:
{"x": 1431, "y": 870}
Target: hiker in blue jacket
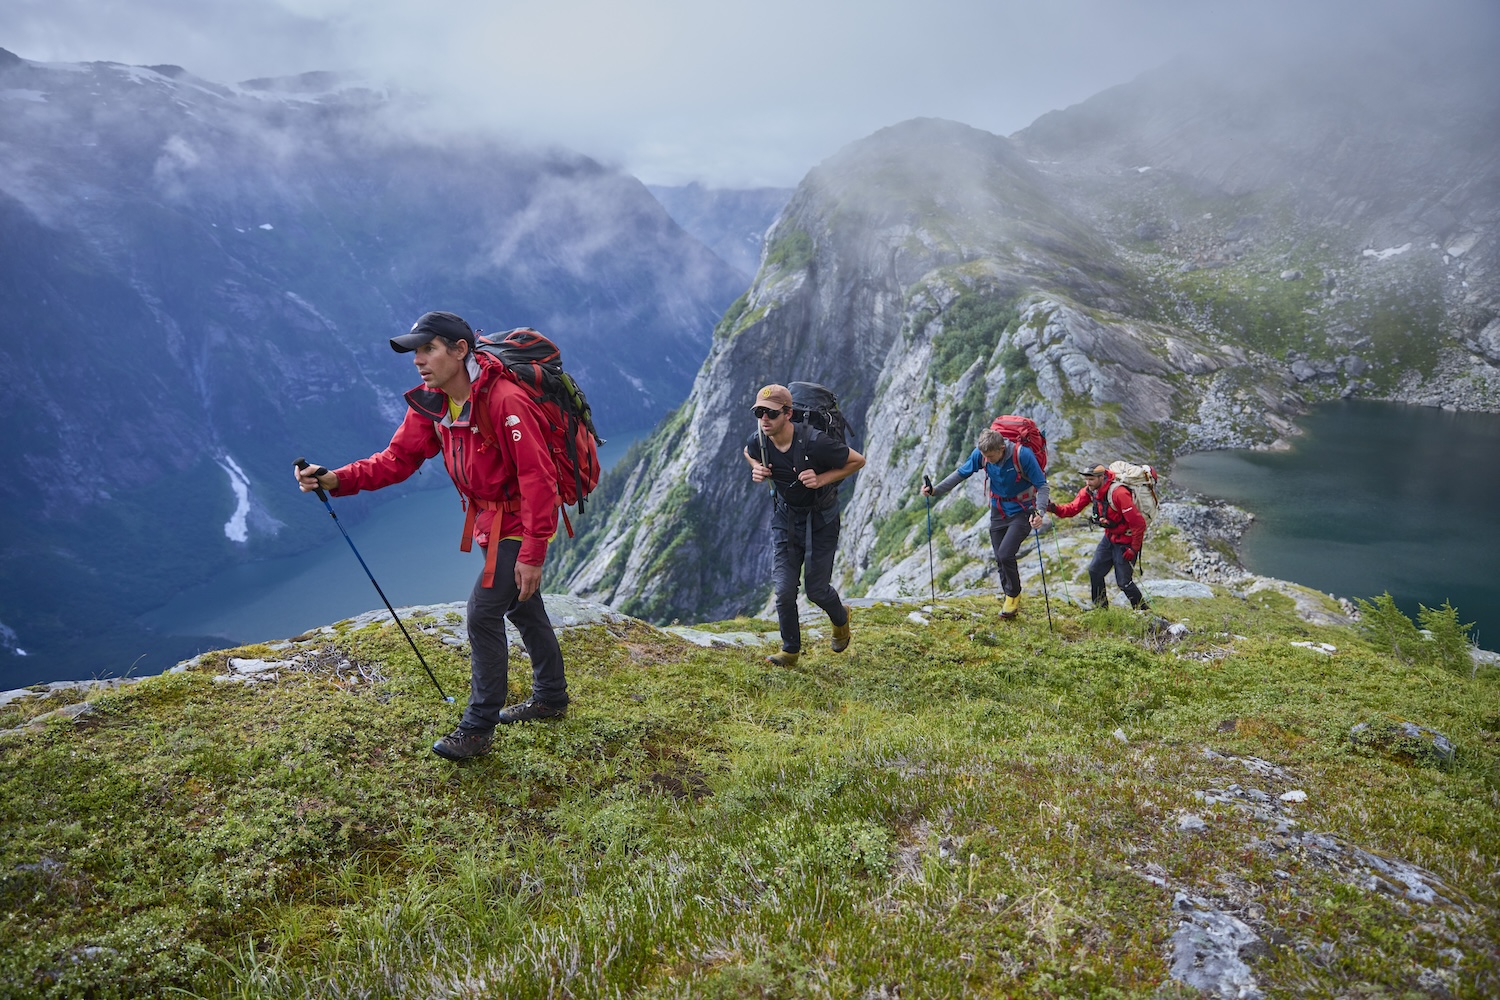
{"x": 1018, "y": 497}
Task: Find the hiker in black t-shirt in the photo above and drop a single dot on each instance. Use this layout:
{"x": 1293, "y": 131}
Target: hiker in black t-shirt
{"x": 804, "y": 465}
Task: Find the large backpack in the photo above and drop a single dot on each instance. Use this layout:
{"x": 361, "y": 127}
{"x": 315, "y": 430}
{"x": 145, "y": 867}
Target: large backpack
{"x": 1023, "y": 430}
{"x": 814, "y": 406}
{"x": 1141, "y": 481}
{"x": 534, "y": 363}
{"x": 817, "y": 406}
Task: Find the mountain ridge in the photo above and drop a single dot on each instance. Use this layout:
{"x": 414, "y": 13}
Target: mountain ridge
{"x": 933, "y": 274}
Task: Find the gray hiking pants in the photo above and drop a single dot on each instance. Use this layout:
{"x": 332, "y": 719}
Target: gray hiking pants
{"x": 1006, "y": 536}
{"x": 1109, "y": 554}
{"x": 489, "y": 654}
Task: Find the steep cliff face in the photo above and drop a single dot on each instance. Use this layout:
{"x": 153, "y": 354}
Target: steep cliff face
{"x": 1118, "y": 272}
{"x": 929, "y": 277}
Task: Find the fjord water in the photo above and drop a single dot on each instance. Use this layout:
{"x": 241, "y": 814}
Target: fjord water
{"x": 410, "y": 545}
{"x": 1373, "y": 498}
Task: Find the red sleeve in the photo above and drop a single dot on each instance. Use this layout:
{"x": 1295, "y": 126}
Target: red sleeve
{"x": 1076, "y": 505}
{"x": 414, "y": 442}
{"x": 519, "y": 425}
{"x": 1124, "y": 502}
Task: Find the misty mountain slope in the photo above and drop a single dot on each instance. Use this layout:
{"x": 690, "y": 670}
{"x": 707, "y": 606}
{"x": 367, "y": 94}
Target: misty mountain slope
{"x": 199, "y": 282}
{"x": 1168, "y": 267}
{"x": 883, "y": 279}
{"x": 731, "y": 223}
{"x": 1341, "y": 217}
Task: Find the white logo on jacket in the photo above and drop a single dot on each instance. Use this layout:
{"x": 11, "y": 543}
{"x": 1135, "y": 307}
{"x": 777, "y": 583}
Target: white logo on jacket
{"x": 512, "y": 420}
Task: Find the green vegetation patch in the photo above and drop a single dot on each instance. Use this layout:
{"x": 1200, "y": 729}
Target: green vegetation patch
{"x": 955, "y": 806}
{"x": 790, "y": 250}
{"x": 972, "y": 327}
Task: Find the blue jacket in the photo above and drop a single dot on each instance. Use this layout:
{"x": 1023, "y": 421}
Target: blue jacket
{"x": 1012, "y": 490}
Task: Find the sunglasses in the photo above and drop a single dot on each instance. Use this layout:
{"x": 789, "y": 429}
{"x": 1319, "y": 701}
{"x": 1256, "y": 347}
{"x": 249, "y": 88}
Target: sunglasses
{"x": 761, "y": 412}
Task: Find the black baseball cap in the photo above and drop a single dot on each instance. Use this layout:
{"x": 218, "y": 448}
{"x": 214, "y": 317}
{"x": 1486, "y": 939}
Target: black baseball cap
{"x": 433, "y": 324}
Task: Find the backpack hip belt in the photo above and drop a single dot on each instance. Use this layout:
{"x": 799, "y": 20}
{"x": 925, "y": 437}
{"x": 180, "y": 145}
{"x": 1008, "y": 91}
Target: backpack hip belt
{"x": 1021, "y": 498}
{"x": 471, "y": 506}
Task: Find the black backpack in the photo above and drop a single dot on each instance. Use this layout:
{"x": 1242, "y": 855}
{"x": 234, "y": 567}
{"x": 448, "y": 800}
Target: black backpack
{"x": 817, "y": 406}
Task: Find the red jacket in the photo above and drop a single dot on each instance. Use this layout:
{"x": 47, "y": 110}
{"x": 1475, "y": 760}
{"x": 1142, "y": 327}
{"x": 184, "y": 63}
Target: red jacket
{"x": 515, "y": 481}
{"x": 1121, "y": 519}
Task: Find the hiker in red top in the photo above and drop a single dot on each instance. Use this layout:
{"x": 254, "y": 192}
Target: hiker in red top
{"x": 509, "y": 486}
{"x": 1124, "y": 532}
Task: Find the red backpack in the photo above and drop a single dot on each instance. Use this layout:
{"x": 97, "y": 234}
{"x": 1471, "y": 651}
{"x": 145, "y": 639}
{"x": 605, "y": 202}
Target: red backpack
{"x": 534, "y": 363}
{"x": 1023, "y": 430}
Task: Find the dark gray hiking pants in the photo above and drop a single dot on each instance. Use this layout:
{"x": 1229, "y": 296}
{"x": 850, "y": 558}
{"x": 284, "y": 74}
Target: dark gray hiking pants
{"x": 1006, "y": 537}
{"x": 790, "y": 534}
{"x": 1106, "y": 555}
{"x": 489, "y": 654}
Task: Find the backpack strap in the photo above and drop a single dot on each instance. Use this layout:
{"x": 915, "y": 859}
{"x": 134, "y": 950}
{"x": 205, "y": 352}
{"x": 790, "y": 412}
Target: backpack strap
{"x": 1015, "y": 460}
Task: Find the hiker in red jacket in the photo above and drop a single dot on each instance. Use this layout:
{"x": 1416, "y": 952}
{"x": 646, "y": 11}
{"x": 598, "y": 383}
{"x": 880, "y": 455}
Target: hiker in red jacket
{"x": 1124, "y": 531}
{"x": 510, "y": 490}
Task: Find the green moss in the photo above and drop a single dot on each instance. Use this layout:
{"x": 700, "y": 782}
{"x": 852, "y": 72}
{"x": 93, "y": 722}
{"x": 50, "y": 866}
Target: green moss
{"x": 729, "y": 323}
{"x": 972, "y": 327}
{"x": 790, "y": 250}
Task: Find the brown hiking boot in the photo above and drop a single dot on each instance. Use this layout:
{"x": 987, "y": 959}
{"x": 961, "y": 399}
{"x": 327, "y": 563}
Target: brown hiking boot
{"x": 528, "y": 710}
{"x": 461, "y": 744}
{"x": 841, "y": 633}
{"x": 784, "y": 659}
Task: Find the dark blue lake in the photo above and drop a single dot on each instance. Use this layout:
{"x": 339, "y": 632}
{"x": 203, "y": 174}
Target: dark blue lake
{"x": 410, "y": 545}
{"x": 1374, "y": 498}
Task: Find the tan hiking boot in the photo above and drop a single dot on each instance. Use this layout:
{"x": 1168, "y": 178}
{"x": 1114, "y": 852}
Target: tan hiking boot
{"x": 841, "y": 633}
{"x": 1011, "y": 607}
{"x": 784, "y": 659}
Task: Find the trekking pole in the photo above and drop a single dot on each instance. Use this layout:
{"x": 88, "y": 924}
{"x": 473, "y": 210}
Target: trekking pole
{"x": 931, "y": 580}
{"x": 320, "y": 471}
{"x": 1043, "y": 564}
{"x": 1057, "y": 551}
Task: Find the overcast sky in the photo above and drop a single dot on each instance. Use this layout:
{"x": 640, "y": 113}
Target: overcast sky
{"x": 725, "y": 92}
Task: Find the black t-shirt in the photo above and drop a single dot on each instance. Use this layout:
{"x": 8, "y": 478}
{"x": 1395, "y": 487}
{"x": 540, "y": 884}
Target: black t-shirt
{"x": 811, "y": 449}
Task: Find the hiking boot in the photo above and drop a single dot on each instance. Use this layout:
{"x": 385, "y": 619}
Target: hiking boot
{"x": 461, "y": 744}
{"x": 841, "y": 633}
{"x": 528, "y": 710}
{"x": 1011, "y": 606}
{"x": 784, "y": 659}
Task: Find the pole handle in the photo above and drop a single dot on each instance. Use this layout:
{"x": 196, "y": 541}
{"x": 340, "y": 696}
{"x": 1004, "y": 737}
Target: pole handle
{"x": 319, "y": 471}
{"x": 927, "y": 480}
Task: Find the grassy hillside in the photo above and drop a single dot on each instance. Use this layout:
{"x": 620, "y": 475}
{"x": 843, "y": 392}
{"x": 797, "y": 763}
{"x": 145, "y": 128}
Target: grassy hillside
{"x": 956, "y": 806}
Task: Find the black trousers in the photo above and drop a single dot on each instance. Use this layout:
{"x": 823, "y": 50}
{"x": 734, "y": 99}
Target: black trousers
{"x": 1106, "y": 555}
{"x": 805, "y": 540}
{"x": 1006, "y": 536}
{"x": 489, "y": 652}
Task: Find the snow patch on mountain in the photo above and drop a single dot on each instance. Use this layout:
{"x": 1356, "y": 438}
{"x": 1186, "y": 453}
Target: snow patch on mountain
{"x": 236, "y": 529}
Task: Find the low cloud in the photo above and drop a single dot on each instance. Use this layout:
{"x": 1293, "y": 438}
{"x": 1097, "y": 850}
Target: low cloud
{"x": 740, "y": 94}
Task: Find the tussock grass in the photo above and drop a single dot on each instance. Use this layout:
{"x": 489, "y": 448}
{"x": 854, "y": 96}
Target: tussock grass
{"x": 944, "y": 810}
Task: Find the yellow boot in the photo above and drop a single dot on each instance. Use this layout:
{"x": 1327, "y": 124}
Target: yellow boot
{"x": 1010, "y": 607}
{"x": 783, "y": 659}
{"x": 841, "y": 633}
